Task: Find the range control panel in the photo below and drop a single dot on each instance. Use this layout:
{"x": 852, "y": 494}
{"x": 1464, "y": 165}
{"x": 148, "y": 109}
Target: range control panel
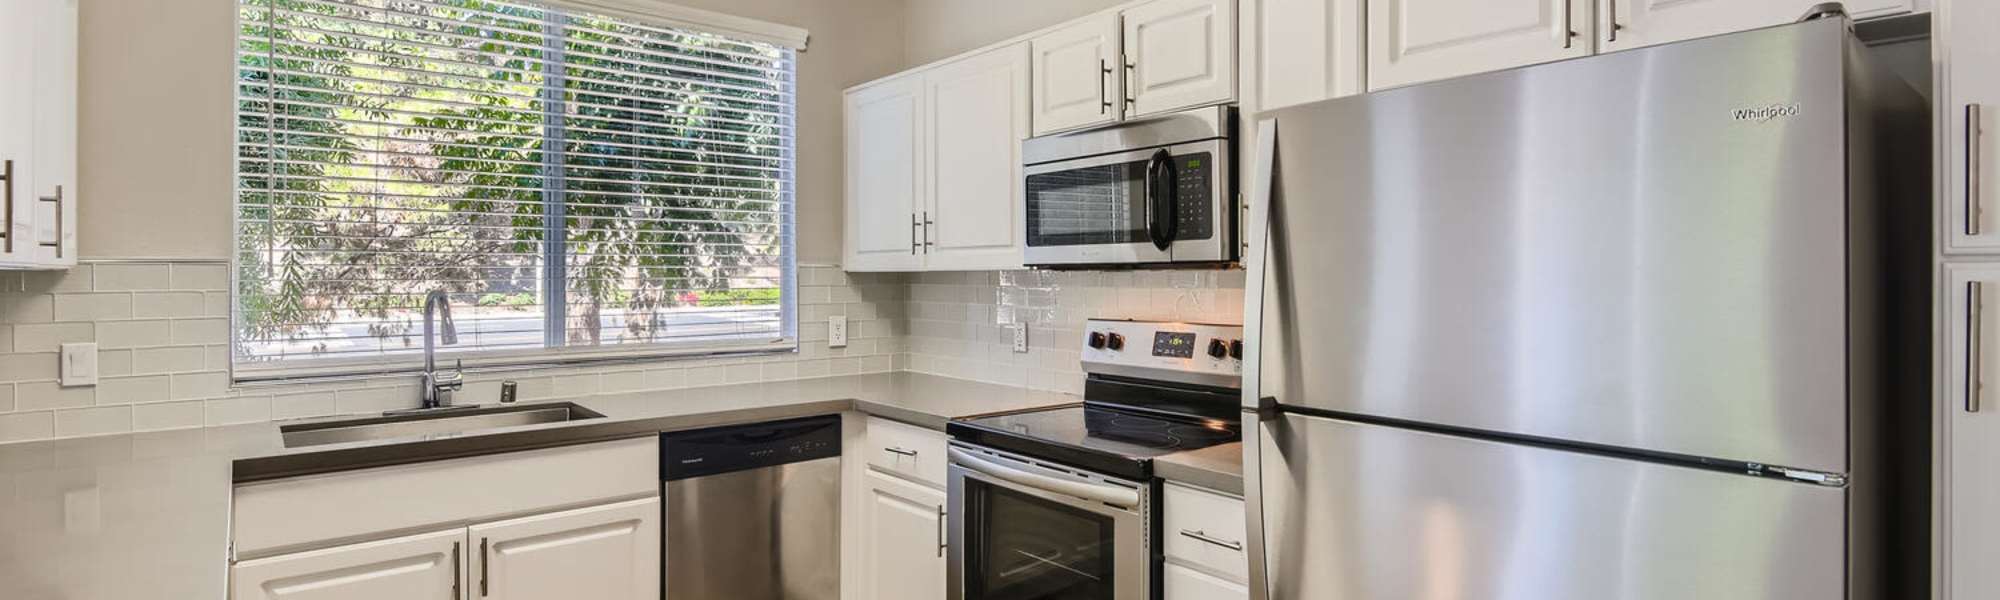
{"x": 1166, "y": 350}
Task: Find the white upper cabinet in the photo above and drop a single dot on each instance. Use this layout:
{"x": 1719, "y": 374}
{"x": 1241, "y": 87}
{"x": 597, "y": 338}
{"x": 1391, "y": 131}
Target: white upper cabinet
{"x": 1304, "y": 51}
{"x": 38, "y": 134}
{"x": 1413, "y": 41}
{"x": 1969, "y": 111}
{"x": 1179, "y": 54}
{"x": 976, "y": 116}
{"x": 902, "y": 552}
{"x": 1076, "y": 70}
{"x": 885, "y": 146}
{"x": 426, "y": 566}
{"x": 1625, "y": 24}
{"x": 609, "y": 552}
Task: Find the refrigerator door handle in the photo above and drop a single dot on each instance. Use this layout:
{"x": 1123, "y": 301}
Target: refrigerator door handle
{"x": 1975, "y": 313}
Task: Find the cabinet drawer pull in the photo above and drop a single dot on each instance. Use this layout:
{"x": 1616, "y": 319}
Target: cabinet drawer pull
{"x": 1203, "y": 536}
{"x": 456, "y": 568}
{"x": 1569, "y": 31}
{"x": 898, "y": 450}
{"x": 1611, "y": 11}
{"x": 58, "y": 199}
{"x": 1975, "y": 313}
{"x": 1973, "y": 131}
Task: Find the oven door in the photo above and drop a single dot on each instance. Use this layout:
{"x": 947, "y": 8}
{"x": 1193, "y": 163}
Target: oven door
{"x": 1021, "y": 529}
{"x": 1154, "y": 205}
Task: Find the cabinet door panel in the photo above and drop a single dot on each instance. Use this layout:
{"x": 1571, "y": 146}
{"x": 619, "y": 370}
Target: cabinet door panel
{"x": 1970, "y": 525}
{"x": 419, "y": 567}
{"x": 51, "y": 200}
{"x": 1971, "y": 55}
{"x": 17, "y": 127}
{"x": 1182, "y": 53}
{"x": 1634, "y": 23}
{"x": 901, "y": 555}
{"x": 1075, "y": 70}
{"x": 1185, "y": 583}
{"x": 609, "y": 552}
{"x": 885, "y": 147}
{"x": 978, "y": 115}
{"x": 1307, "y": 50}
{"x": 1412, "y": 41}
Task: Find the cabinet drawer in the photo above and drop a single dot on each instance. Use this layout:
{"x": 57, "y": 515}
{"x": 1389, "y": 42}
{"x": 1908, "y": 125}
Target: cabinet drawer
{"x": 1186, "y": 583}
{"x": 906, "y": 450}
{"x": 1205, "y": 528}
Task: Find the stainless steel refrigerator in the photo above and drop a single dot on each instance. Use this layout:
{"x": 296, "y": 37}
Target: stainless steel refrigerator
{"x": 1646, "y": 325}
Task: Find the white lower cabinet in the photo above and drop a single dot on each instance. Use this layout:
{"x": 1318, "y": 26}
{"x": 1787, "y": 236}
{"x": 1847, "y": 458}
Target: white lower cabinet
{"x": 1970, "y": 444}
{"x": 1183, "y": 582}
{"x": 426, "y": 566}
{"x": 902, "y": 555}
{"x": 609, "y": 552}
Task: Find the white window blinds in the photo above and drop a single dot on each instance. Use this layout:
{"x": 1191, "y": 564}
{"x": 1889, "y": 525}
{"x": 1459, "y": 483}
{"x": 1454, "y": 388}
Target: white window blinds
{"x": 581, "y": 185}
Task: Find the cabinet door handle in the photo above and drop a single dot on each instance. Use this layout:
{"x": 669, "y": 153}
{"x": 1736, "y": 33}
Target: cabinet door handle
{"x": 457, "y": 568}
{"x": 1611, "y": 12}
{"x": 897, "y": 450}
{"x": 1103, "y": 86}
{"x": 1203, "y": 536}
{"x": 7, "y": 175}
{"x": 928, "y": 241}
{"x": 940, "y": 532}
{"x": 1131, "y": 91}
{"x": 58, "y": 199}
{"x": 1973, "y": 131}
{"x": 916, "y": 233}
{"x": 484, "y": 559}
{"x": 1975, "y": 312}
{"x": 1569, "y": 31}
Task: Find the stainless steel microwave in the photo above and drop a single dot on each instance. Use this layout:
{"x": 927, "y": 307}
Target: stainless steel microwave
{"x": 1154, "y": 191}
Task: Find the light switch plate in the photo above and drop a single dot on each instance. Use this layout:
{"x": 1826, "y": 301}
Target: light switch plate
{"x": 1020, "y": 338}
{"x": 79, "y": 365}
{"x": 836, "y": 332}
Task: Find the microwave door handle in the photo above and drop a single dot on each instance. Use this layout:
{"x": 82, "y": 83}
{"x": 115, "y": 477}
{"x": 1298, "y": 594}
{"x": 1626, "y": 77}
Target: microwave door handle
{"x": 1161, "y": 205}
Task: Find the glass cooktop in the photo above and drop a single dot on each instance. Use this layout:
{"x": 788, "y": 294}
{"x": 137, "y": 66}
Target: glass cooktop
{"x": 1116, "y": 441}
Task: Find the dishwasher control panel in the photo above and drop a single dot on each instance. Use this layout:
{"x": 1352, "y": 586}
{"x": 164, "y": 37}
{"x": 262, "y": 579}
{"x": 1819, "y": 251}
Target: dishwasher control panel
{"x": 695, "y": 453}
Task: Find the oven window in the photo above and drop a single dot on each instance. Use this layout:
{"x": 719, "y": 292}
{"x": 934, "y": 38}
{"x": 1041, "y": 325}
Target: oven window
{"x": 1106, "y": 204}
{"x": 1020, "y": 547}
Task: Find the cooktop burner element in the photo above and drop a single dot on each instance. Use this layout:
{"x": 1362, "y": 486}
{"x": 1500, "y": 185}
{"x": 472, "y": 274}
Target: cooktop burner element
{"x": 1141, "y": 401}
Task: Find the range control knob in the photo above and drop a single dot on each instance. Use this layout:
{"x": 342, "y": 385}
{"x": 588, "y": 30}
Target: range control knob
{"x": 1096, "y": 340}
{"x": 1236, "y": 349}
{"x": 1115, "y": 342}
{"x": 1217, "y": 349}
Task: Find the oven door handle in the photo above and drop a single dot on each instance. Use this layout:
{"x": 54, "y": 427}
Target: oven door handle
{"x": 1113, "y": 495}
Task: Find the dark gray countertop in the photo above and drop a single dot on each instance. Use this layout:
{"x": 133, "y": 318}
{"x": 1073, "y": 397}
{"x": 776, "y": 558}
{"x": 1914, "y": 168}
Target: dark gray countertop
{"x": 1218, "y": 468}
{"x": 146, "y": 515}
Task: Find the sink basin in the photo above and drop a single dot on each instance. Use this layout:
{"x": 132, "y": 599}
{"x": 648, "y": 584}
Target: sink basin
{"x": 433, "y": 423}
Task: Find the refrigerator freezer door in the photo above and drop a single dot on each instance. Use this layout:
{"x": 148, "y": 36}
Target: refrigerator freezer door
{"x": 1647, "y": 250}
{"x": 1363, "y": 512}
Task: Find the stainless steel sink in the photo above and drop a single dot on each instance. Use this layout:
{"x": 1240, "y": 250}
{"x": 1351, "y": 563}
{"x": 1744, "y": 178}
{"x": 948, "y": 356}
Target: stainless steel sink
{"x": 431, "y": 423}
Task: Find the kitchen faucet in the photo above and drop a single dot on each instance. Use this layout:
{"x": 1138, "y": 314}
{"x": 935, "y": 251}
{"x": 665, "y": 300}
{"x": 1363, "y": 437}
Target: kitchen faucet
{"x": 439, "y": 386}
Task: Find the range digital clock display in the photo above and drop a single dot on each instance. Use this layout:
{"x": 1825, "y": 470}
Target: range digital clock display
{"x": 1173, "y": 344}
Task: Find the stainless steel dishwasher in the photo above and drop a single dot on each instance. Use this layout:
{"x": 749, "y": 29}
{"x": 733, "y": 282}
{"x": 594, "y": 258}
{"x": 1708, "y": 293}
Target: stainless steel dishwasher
{"x": 753, "y": 511}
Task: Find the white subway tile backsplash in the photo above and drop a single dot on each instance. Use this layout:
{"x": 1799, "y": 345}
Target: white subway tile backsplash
{"x": 133, "y": 390}
{"x": 28, "y": 309}
{"x": 49, "y": 337}
{"x": 150, "y": 305}
{"x": 26, "y": 367}
{"x": 93, "y": 421}
{"x": 16, "y": 427}
{"x": 200, "y": 331}
{"x": 230, "y": 411}
{"x": 134, "y": 334}
{"x": 166, "y": 415}
{"x": 187, "y": 276}
{"x": 43, "y": 395}
{"x": 172, "y": 359}
{"x": 113, "y": 363}
{"x": 132, "y": 276}
{"x": 92, "y": 307}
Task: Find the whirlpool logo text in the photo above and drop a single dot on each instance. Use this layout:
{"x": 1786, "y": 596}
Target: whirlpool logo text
{"x": 1760, "y": 114}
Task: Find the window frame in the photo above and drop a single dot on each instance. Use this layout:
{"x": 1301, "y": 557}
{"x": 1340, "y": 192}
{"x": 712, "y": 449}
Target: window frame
{"x": 790, "y": 39}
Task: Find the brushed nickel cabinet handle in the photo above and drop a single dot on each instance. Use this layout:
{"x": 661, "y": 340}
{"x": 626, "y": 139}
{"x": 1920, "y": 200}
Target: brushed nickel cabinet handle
{"x": 1131, "y": 70}
{"x": 484, "y": 559}
{"x": 1975, "y": 312}
{"x": 1569, "y": 29}
{"x": 58, "y": 199}
{"x": 1611, "y": 10}
{"x": 900, "y": 451}
{"x": 940, "y": 531}
{"x": 1103, "y": 86}
{"x": 456, "y": 568}
{"x": 1203, "y": 536}
{"x": 916, "y": 233}
{"x": 7, "y": 175}
{"x": 928, "y": 224}
{"x": 1973, "y": 131}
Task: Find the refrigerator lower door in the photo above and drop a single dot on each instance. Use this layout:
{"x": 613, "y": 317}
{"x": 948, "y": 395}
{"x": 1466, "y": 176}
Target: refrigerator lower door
{"x": 1356, "y": 511}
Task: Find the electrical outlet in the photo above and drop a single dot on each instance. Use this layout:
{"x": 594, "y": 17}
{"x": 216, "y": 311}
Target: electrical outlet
{"x": 79, "y": 365}
{"x": 1020, "y": 338}
{"x": 836, "y": 332}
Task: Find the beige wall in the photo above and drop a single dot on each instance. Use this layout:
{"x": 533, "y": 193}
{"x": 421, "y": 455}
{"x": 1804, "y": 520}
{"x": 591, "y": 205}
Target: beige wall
{"x": 155, "y": 155}
{"x": 940, "y": 28}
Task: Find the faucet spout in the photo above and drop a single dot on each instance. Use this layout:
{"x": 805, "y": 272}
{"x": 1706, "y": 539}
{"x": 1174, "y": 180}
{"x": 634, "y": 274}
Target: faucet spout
{"x": 438, "y": 386}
